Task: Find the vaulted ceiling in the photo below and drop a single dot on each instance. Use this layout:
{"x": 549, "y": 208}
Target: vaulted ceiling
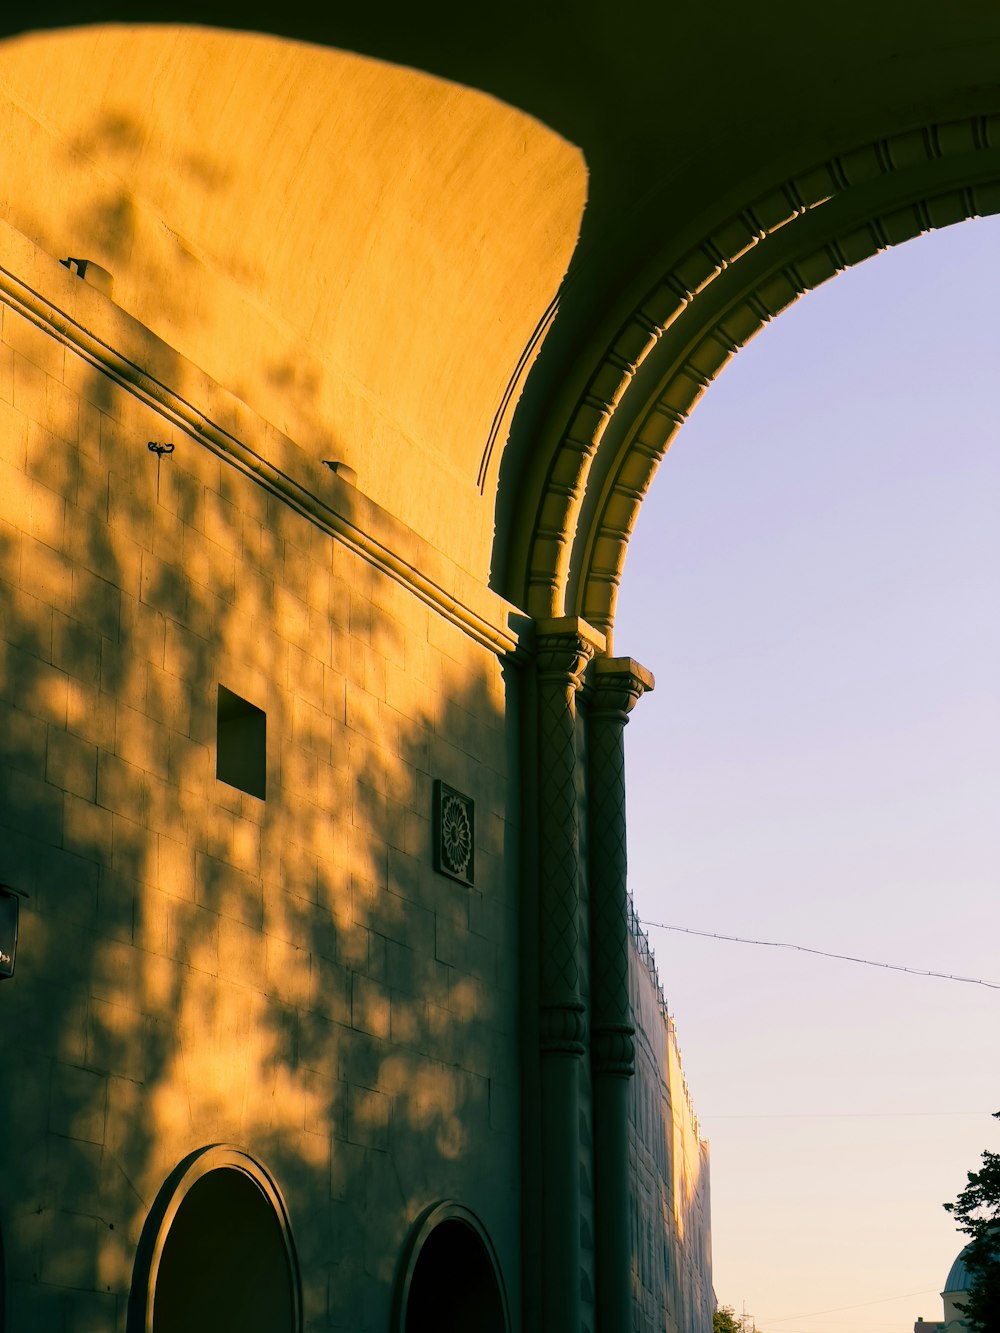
{"x": 409, "y": 235}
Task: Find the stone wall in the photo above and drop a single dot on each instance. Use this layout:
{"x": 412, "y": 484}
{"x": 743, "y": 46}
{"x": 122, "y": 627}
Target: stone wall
{"x": 196, "y": 965}
{"x": 231, "y": 687}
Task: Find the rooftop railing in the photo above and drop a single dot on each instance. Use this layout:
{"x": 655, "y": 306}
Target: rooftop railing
{"x": 645, "y": 952}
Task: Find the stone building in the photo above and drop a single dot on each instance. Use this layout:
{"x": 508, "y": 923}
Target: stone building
{"x": 337, "y": 354}
{"x": 670, "y": 1227}
{"x": 956, "y": 1291}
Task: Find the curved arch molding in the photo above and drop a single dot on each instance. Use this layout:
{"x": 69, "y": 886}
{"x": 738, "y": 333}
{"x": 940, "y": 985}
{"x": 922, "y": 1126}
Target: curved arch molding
{"x": 707, "y": 306}
{"x": 163, "y": 1214}
{"x": 426, "y": 1225}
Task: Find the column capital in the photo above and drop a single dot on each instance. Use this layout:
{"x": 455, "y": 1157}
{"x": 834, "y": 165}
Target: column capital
{"x": 614, "y": 1050}
{"x": 564, "y": 647}
{"x": 616, "y": 684}
{"x": 562, "y": 1028}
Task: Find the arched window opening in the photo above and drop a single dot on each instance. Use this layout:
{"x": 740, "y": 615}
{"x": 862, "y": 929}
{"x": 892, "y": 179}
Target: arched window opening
{"x": 223, "y": 1265}
{"x": 217, "y": 1254}
{"x": 452, "y": 1284}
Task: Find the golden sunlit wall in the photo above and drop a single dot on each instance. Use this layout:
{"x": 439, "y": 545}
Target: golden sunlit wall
{"x": 668, "y": 1160}
{"x": 266, "y": 310}
{"x": 361, "y": 252}
{"x": 198, "y": 965}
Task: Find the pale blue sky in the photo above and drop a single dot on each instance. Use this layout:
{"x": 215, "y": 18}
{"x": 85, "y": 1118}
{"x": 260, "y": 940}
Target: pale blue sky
{"x": 813, "y": 581}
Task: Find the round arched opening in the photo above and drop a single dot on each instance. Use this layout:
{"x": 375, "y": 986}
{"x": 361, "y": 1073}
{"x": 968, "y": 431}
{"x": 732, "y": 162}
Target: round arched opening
{"x": 224, "y": 1265}
{"x": 218, "y": 1256}
{"x": 567, "y": 559}
{"x": 810, "y": 571}
{"x": 452, "y": 1283}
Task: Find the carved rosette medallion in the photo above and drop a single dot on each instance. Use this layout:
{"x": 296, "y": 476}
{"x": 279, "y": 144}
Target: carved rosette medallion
{"x": 454, "y": 834}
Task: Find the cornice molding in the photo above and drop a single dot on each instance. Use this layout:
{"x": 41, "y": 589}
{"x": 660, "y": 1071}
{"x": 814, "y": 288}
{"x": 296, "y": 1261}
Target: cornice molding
{"x": 88, "y": 323}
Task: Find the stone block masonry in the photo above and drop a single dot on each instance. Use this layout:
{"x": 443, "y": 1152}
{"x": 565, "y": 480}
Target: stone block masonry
{"x": 197, "y": 966}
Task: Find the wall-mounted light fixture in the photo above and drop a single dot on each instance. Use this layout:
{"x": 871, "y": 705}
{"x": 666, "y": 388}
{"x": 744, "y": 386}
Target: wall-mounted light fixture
{"x": 9, "y": 904}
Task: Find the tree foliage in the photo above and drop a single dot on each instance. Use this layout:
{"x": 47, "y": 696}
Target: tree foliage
{"x": 724, "y": 1320}
{"x": 977, "y": 1213}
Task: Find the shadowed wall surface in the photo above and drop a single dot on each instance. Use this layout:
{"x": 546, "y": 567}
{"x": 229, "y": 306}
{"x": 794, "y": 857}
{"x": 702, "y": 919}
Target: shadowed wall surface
{"x": 410, "y": 313}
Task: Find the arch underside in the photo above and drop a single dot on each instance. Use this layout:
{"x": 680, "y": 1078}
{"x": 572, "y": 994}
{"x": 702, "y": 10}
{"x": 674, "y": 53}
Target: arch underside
{"x": 708, "y": 305}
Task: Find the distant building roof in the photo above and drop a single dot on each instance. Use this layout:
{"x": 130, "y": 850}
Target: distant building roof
{"x": 958, "y": 1276}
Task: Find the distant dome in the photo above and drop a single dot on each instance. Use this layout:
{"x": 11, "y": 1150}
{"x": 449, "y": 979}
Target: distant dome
{"x": 958, "y": 1276}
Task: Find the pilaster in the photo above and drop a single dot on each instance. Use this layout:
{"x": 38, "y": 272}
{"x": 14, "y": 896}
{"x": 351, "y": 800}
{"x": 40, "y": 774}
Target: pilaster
{"x": 563, "y": 650}
{"x": 614, "y": 686}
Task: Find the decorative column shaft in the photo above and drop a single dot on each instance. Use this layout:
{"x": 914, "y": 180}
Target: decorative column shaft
{"x": 564, "y": 647}
{"x": 614, "y": 686}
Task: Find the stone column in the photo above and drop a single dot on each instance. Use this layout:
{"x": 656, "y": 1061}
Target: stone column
{"x": 614, "y": 686}
{"x": 564, "y": 647}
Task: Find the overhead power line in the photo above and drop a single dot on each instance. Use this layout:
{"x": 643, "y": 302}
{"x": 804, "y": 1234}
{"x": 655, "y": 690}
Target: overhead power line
{"x": 843, "y": 1115}
{"x": 840, "y": 1115}
{"x": 835, "y": 1309}
{"x": 822, "y": 953}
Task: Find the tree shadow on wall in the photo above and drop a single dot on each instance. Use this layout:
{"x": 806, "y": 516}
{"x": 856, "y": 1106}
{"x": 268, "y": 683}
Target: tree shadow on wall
{"x": 197, "y": 965}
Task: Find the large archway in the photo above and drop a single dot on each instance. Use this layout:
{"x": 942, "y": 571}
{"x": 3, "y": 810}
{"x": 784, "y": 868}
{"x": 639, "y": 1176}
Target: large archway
{"x": 708, "y": 303}
{"x": 808, "y": 579}
{"x": 438, "y": 382}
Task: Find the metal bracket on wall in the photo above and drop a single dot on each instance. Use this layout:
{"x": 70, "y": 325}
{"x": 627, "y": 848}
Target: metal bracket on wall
{"x": 159, "y": 450}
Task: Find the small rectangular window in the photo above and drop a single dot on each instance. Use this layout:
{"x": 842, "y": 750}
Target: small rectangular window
{"x": 241, "y": 752}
